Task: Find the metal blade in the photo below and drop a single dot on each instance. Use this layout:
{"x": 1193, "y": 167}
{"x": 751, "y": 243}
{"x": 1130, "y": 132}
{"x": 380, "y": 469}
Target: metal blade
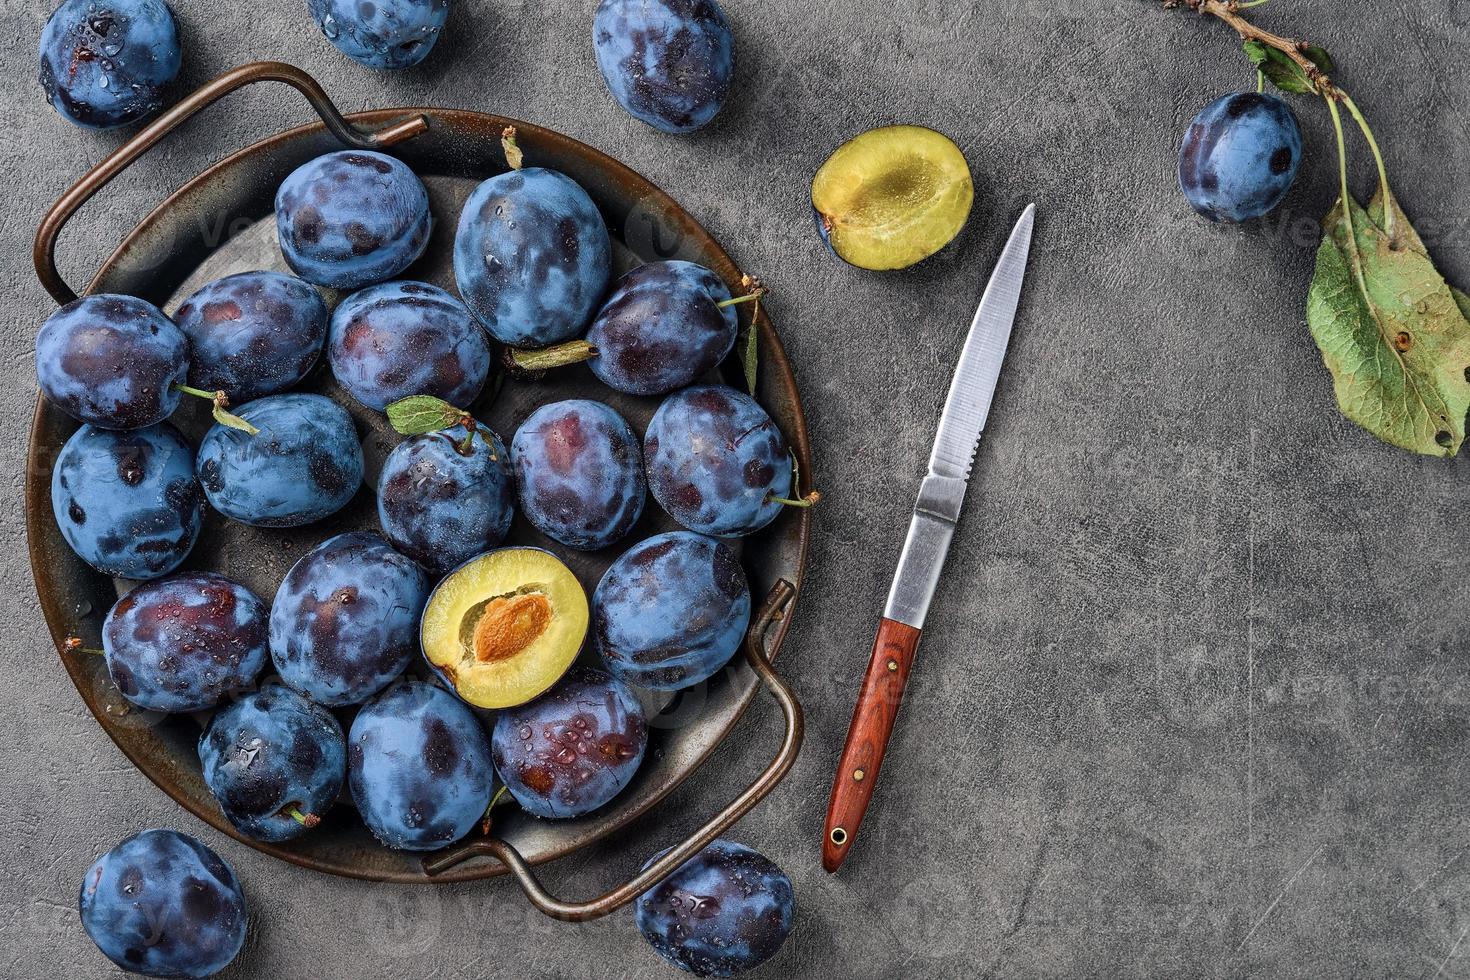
{"x": 973, "y": 388}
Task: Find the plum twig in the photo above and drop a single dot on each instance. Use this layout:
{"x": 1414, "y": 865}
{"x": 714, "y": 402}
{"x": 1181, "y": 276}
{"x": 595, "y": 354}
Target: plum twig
{"x": 1229, "y": 12}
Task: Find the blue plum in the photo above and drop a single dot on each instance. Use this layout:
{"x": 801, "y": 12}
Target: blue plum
{"x": 185, "y": 643}
{"x": 407, "y": 338}
{"x": 351, "y": 218}
{"x": 305, "y": 464}
{"x": 671, "y": 611}
{"x": 112, "y": 361}
{"x": 105, "y": 63}
{"x": 127, "y": 502}
{"x": 662, "y": 329}
{"x": 667, "y": 62}
{"x": 579, "y": 473}
{"x": 717, "y": 462}
{"x": 345, "y": 620}
{"x": 383, "y": 34}
{"x": 444, "y": 498}
{"x": 728, "y": 909}
{"x": 275, "y": 762}
{"x": 532, "y": 257}
{"x": 164, "y": 905}
{"x": 418, "y": 764}
{"x": 574, "y": 748}
{"x": 1240, "y": 156}
{"x": 253, "y": 334}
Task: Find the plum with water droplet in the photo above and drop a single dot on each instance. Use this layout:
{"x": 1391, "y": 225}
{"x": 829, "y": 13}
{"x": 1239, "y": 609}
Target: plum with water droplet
{"x": 383, "y": 34}
{"x": 1240, "y": 156}
{"x": 105, "y": 63}
{"x": 669, "y": 63}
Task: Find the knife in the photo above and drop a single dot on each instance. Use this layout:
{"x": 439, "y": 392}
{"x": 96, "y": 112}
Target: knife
{"x": 932, "y": 527}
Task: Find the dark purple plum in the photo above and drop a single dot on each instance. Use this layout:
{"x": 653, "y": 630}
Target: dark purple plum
{"x": 163, "y": 905}
{"x": 717, "y": 462}
{"x": 1240, "y": 156}
{"x": 407, "y": 338}
{"x": 186, "y": 643}
{"x": 304, "y": 464}
{"x": 382, "y": 34}
{"x": 352, "y": 218}
{"x": 345, "y": 620}
{"x": 112, "y": 361}
{"x": 532, "y": 257}
{"x": 418, "y": 763}
{"x": 671, "y": 611}
{"x": 662, "y": 329}
{"x": 667, "y": 62}
{"x": 728, "y": 909}
{"x": 579, "y": 473}
{"x": 105, "y": 63}
{"x": 444, "y": 498}
{"x": 275, "y": 762}
{"x": 574, "y": 748}
{"x": 253, "y": 334}
{"x": 127, "y": 502}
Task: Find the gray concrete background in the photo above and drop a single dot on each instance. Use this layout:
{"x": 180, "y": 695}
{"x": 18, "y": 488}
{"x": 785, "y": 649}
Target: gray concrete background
{"x": 1194, "y": 699}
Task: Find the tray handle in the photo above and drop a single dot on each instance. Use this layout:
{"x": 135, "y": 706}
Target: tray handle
{"x": 99, "y": 176}
{"x": 760, "y": 661}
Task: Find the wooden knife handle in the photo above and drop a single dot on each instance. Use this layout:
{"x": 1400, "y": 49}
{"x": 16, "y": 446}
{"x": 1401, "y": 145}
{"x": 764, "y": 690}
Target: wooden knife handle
{"x": 867, "y": 739}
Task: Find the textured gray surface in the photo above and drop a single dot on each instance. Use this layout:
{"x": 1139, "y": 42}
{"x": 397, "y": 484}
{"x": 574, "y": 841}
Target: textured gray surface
{"x": 1194, "y": 699}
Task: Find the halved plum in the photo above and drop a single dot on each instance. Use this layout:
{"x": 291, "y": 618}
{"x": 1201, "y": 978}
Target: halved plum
{"x": 892, "y": 197}
{"x": 504, "y": 627}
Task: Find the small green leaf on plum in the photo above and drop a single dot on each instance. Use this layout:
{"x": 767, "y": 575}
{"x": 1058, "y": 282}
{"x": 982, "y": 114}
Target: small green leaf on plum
{"x": 417, "y": 415}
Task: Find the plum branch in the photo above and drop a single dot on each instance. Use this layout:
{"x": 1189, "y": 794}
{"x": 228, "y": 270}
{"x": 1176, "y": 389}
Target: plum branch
{"x": 1229, "y": 12}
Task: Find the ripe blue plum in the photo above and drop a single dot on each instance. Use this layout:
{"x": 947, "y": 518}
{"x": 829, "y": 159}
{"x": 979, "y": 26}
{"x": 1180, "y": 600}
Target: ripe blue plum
{"x": 351, "y": 218}
{"x": 728, "y": 909}
{"x": 418, "y": 764}
{"x": 407, "y": 338}
{"x": 305, "y": 464}
{"x": 383, "y": 34}
{"x": 253, "y": 334}
{"x": 164, "y": 905}
{"x": 671, "y": 611}
{"x": 105, "y": 63}
{"x": 717, "y": 462}
{"x": 127, "y": 502}
{"x": 579, "y": 473}
{"x": 662, "y": 329}
{"x": 275, "y": 762}
{"x": 346, "y": 617}
{"x": 112, "y": 361}
{"x": 185, "y": 643}
{"x": 1240, "y": 156}
{"x": 667, "y": 62}
{"x": 574, "y": 748}
{"x": 444, "y": 498}
{"x": 532, "y": 257}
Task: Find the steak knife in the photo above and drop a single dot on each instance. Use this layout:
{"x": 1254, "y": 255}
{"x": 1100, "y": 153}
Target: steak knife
{"x": 935, "y": 516}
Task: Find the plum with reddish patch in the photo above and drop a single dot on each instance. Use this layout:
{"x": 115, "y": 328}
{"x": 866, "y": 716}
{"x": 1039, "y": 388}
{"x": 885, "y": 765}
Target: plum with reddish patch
{"x": 669, "y": 63}
{"x": 106, "y": 63}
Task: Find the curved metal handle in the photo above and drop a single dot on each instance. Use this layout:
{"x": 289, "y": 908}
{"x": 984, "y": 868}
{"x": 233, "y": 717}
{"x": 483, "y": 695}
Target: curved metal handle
{"x": 755, "y": 655}
{"x": 99, "y": 176}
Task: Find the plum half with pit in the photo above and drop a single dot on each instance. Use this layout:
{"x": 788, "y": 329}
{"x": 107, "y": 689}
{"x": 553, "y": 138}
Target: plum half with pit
{"x": 305, "y": 462}
{"x": 345, "y": 619}
{"x": 384, "y": 34}
{"x": 892, "y": 197}
{"x": 275, "y": 762}
{"x": 573, "y": 749}
{"x": 579, "y": 473}
{"x": 186, "y": 642}
{"x": 504, "y": 627}
{"x": 1240, "y": 156}
{"x": 726, "y": 910}
{"x": 161, "y": 904}
{"x": 532, "y": 257}
{"x": 127, "y": 502}
{"x": 671, "y": 611}
{"x": 667, "y": 62}
{"x": 398, "y": 339}
{"x": 252, "y": 334}
{"x": 105, "y": 63}
{"x": 418, "y": 764}
{"x": 352, "y": 218}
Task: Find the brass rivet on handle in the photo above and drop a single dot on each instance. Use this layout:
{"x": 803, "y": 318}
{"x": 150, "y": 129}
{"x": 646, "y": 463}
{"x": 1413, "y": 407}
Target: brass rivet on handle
{"x": 839, "y": 836}
{"x": 893, "y": 666}
{"x": 858, "y": 774}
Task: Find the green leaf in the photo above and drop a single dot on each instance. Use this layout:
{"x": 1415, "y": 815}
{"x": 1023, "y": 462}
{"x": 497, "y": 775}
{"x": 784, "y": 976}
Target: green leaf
{"x": 224, "y": 417}
{"x": 419, "y": 414}
{"x": 1277, "y": 65}
{"x": 1462, "y": 300}
{"x": 1320, "y": 58}
{"x": 1392, "y": 332}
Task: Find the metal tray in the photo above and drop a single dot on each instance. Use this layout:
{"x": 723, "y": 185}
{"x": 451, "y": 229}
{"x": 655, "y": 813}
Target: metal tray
{"x": 222, "y": 222}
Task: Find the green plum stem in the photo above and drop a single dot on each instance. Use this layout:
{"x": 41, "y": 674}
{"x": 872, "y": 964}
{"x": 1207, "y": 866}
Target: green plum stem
{"x": 488, "y": 822}
{"x": 747, "y": 298}
{"x": 1357, "y": 114}
{"x": 489, "y": 442}
{"x": 1341, "y": 163}
{"x": 196, "y": 392}
{"x": 810, "y": 500}
{"x": 547, "y": 358}
{"x": 1260, "y": 81}
{"x": 73, "y": 644}
{"x": 221, "y": 405}
{"x": 307, "y": 820}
